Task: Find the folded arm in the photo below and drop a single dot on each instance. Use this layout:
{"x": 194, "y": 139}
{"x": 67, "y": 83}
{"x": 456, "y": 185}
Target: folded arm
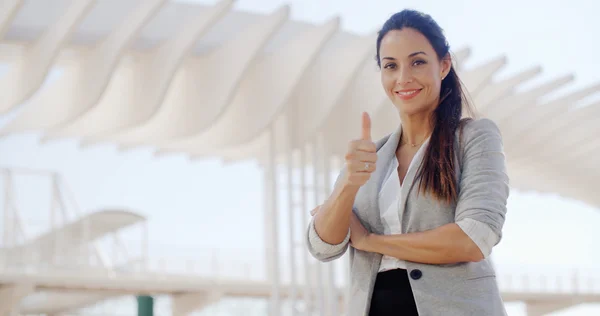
{"x": 322, "y": 250}
{"x": 329, "y": 229}
{"x": 479, "y": 215}
{"x": 445, "y": 244}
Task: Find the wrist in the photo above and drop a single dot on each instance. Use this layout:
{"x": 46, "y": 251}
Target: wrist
{"x": 370, "y": 242}
{"x": 348, "y": 188}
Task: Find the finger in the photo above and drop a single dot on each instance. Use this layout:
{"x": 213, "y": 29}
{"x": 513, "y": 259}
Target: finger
{"x": 366, "y": 126}
{"x": 360, "y": 167}
{"x": 361, "y": 156}
{"x": 315, "y": 210}
{"x": 362, "y": 145}
{"x": 366, "y": 157}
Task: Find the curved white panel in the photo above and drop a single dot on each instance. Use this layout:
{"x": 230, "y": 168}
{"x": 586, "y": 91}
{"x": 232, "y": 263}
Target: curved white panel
{"x": 495, "y": 90}
{"x": 508, "y": 108}
{"x": 538, "y": 115}
{"x": 152, "y": 72}
{"x": 256, "y": 148}
{"x": 76, "y": 91}
{"x": 261, "y": 95}
{"x": 476, "y": 79}
{"x": 328, "y": 79}
{"x": 557, "y": 108}
{"x": 585, "y": 152}
{"x": 578, "y": 140}
{"x": 573, "y": 136}
{"x": 8, "y": 11}
{"x": 366, "y": 95}
{"x": 29, "y": 73}
{"x": 550, "y": 121}
{"x": 358, "y": 97}
{"x": 460, "y": 57}
{"x": 222, "y": 99}
{"x": 554, "y": 180}
{"x": 204, "y": 86}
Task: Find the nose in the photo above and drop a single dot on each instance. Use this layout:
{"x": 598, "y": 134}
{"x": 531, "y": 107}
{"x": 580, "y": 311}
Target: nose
{"x": 404, "y": 76}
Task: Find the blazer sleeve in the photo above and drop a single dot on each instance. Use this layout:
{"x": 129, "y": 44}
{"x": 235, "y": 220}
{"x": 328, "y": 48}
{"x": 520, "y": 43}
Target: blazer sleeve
{"x": 484, "y": 184}
{"x": 320, "y": 249}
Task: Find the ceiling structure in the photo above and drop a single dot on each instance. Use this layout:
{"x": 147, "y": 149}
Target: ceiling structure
{"x": 212, "y": 81}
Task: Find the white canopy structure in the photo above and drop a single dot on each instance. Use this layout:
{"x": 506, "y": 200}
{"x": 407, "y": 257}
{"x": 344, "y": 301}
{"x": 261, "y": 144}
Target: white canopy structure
{"x": 212, "y": 81}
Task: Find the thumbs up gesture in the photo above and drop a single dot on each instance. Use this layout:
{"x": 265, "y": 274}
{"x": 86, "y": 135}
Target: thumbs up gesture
{"x": 361, "y": 157}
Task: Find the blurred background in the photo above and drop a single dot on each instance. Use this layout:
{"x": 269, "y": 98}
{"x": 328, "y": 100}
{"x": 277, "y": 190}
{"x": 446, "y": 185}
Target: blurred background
{"x": 161, "y": 157}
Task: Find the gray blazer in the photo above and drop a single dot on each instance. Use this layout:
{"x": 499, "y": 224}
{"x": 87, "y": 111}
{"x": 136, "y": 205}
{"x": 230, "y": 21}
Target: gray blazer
{"x": 459, "y": 289}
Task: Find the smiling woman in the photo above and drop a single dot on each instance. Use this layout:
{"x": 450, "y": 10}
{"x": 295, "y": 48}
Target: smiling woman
{"x": 422, "y": 208}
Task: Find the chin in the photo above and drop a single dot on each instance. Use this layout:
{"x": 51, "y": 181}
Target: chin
{"x": 413, "y": 107}
{"x": 410, "y": 108}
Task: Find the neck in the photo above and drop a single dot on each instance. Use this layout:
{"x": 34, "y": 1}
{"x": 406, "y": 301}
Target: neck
{"x": 415, "y": 128}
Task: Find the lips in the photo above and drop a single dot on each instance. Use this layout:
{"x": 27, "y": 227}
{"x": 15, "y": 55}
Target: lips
{"x": 407, "y": 94}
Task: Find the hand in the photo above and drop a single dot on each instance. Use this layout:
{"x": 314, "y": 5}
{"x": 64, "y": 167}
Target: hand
{"x": 361, "y": 157}
{"x": 359, "y": 235}
{"x": 315, "y": 210}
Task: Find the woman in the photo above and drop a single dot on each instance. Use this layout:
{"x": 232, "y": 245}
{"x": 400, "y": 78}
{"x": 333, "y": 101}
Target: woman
{"x": 423, "y": 207}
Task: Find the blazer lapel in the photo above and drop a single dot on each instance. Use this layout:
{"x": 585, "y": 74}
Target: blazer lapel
{"x": 385, "y": 153}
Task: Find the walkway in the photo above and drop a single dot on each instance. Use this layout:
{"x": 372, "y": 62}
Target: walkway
{"x": 193, "y": 292}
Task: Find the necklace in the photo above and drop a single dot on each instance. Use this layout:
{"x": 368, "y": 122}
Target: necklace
{"x": 403, "y": 142}
{"x": 411, "y": 144}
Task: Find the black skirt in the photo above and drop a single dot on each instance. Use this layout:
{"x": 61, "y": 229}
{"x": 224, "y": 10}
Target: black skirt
{"x": 392, "y": 295}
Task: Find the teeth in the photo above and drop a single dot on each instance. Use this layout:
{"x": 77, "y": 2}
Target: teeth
{"x": 407, "y": 92}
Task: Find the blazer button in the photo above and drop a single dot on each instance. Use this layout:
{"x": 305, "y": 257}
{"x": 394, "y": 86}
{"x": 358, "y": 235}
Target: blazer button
{"x": 416, "y": 274}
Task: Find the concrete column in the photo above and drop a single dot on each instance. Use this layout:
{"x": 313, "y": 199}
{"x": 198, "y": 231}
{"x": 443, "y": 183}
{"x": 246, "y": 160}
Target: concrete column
{"x": 185, "y": 304}
{"x": 544, "y": 308}
{"x": 11, "y": 296}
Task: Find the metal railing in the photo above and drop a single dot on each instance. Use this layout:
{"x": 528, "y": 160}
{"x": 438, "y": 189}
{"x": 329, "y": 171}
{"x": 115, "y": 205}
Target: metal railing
{"x": 248, "y": 265}
{"x": 63, "y": 209}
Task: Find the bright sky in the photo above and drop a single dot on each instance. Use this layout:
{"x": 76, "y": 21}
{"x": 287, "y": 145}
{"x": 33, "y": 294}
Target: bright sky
{"x": 213, "y": 205}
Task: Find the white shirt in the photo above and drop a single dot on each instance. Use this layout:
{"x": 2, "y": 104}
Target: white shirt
{"x": 391, "y": 209}
{"x": 391, "y": 215}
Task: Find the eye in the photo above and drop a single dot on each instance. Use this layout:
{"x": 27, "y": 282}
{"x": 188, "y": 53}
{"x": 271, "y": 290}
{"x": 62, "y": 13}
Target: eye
{"x": 419, "y": 62}
{"x": 390, "y": 66}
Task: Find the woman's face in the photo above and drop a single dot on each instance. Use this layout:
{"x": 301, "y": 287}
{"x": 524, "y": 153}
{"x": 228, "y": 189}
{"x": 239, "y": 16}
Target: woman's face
{"x": 411, "y": 72}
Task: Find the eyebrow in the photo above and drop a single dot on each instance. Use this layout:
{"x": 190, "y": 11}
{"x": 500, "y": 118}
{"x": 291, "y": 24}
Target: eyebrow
{"x": 411, "y": 55}
{"x": 416, "y": 53}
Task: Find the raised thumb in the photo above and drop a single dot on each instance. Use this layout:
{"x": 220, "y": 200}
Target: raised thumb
{"x": 366, "y": 126}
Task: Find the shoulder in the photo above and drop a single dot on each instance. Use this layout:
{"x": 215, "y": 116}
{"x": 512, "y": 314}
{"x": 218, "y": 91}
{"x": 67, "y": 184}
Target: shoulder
{"x": 481, "y": 128}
